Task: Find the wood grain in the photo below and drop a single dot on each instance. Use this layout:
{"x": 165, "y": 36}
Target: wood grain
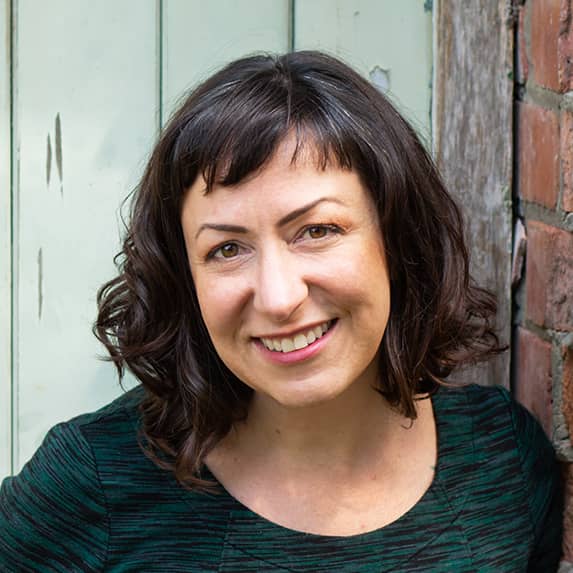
{"x": 473, "y": 144}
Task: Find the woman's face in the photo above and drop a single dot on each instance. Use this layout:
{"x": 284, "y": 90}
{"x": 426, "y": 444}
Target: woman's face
{"x": 291, "y": 278}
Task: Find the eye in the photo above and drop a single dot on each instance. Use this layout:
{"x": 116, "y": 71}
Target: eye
{"x": 319, "y": 231}
{"x": 226, "y": 251}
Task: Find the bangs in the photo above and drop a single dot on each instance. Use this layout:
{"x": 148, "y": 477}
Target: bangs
{"x": 231, "y": 134}
{"x": 239, "y": 162}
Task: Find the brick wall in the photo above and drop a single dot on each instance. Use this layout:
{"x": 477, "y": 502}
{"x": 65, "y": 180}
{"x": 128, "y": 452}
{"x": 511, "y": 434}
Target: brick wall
{"x": 543, "y": 298}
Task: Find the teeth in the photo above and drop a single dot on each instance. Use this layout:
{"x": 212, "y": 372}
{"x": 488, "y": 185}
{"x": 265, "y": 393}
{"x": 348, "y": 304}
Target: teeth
{"x": 296, "y": 342}
{"x": 300, "y": 341}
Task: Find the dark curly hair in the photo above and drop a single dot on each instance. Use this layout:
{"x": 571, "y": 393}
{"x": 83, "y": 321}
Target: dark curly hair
{"x": 227, "y": 129}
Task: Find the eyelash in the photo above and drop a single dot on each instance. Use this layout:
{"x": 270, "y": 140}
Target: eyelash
{"x": 329, "y": 228}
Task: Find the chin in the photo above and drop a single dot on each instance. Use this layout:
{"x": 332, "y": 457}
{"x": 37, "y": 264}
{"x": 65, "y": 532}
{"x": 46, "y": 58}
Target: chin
{"x": 306, "y": 397}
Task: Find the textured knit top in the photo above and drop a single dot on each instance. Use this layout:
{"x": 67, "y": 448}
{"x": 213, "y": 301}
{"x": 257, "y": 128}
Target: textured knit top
{"x": 90, "y": 500}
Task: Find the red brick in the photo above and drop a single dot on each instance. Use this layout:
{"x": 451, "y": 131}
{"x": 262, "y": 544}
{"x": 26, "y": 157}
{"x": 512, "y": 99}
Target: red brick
{"x": 545, "y": 26}
{"x": 522, "y": 61}
{"x": 540, "y": 239}
{"x": 533, "y": 380}
{"x": 565, "y": 47}
{"x": 559, "y": 309}
{"x": 538, "y": 148}
{"x": 567, "y": 160}
{"x": 549, "y": 276}
{"x": 568, "y": 515}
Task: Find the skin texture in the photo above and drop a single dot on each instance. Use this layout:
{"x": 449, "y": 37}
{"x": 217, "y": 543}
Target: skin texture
{"x": 288, "y": 249}
{"x": 275, "y": 280}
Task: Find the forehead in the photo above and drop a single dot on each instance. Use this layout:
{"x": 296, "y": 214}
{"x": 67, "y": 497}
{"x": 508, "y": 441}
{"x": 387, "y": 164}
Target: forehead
{"x": 287, "y": 182}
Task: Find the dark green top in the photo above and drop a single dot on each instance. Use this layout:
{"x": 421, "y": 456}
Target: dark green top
{"x": 89, "y": 500}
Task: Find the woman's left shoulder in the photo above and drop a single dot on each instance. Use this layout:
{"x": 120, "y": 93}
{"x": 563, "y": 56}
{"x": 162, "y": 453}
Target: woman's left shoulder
{"x": 493, "y": 407}
{"x": 510, "y": 465}
{"x": 507, "y": 441}
{"x": 498, "y": 419}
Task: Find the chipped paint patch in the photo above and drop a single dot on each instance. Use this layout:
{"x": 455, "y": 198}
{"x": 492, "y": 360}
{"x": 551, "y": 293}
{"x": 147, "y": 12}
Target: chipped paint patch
{"x": 518, "y": 256}
{"x": 48, "y": 160}
{"x": 380, "y": 78}
{"x": 428, "y": 5}
{"x": 59, "y": 152}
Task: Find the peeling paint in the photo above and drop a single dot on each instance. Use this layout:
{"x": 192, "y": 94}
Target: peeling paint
{"x": 40, "y": 283}
{"x": 58, "y": 144}
{"x": 428, "y": 5}
{"x": 518, "y": 257}
{"x": 380, "y": 78}
{"x": 48, "y": 160}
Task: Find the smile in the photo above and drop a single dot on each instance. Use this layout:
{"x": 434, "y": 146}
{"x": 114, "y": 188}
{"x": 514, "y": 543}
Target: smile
{"x": 298, "y": 341}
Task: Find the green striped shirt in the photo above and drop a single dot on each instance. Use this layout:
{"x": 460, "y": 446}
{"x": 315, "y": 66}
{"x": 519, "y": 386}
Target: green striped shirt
{"x": 90, "y": 500}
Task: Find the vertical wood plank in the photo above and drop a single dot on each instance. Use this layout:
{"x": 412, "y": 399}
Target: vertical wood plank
{"x": 199, "y": 37}
{"x": 86, "y": 118}
{"x": 389, "y": 42}
{"x": 473, "y": 143}
{"x": 5, "y": 244}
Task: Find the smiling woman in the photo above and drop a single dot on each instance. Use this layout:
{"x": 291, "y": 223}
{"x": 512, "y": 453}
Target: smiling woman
{"x": 269, "y": 274}
{"x": 294, "y": 297}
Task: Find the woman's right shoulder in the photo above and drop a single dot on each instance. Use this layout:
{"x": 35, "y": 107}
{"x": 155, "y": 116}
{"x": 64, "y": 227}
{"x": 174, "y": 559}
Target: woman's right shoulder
{"x": 55, "y": 512}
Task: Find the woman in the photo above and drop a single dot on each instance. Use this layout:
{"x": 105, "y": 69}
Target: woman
{"x": 293, "y": 295}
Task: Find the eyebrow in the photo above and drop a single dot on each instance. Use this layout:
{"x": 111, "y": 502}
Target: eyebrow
{"x": 288, "y": 218}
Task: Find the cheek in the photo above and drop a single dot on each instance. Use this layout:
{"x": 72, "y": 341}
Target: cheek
{"x": 220, "y": 302}
{"x": 379, "y": 290}
{"x": 363, "y": 276}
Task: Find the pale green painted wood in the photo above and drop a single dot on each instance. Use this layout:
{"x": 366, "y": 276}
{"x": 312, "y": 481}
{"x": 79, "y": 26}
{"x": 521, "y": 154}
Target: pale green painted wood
{"x": 388, "y": 41}
{"x": 87, "y": 84}
{"x": 199, "y": 37}
{"x": 5, "y": 246}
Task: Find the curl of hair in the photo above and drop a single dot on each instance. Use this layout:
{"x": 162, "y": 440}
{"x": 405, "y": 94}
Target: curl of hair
{"x": 226, "y": 130}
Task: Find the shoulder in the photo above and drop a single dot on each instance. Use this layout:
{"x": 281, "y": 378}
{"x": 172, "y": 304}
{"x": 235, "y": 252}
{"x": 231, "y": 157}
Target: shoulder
{"x": 497, "y": 422}
{"x": 505, "y": 463}
{"x": 494, "y": 416}
{"x": 497, "y": 417}
{"x": 55, "y": 512}
{"x": 125, "y": 407}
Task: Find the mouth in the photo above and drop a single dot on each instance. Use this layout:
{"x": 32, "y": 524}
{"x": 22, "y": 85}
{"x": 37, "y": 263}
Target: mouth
{"x": 299, "y": 340}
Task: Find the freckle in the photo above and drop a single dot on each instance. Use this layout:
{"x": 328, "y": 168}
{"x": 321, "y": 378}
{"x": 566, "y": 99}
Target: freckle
{"x": 277, "y": 431}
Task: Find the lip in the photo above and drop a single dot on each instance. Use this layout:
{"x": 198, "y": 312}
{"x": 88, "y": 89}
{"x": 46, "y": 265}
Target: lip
{"x": 300, "y": 355}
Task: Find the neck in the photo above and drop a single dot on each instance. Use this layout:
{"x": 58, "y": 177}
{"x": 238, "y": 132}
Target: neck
{"x": 339, "y": 433}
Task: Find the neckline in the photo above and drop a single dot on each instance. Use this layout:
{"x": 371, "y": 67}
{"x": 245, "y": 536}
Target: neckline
{"x": 434, "y": 493}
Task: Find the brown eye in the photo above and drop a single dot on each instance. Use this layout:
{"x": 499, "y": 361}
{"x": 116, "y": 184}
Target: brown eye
{"x": 317, "y": 232}
{"x": 229, "y": 250}
{"x": 226, "y": 251}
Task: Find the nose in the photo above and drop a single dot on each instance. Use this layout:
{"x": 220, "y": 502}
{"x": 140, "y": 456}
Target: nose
{"x": 280, "y": 287}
